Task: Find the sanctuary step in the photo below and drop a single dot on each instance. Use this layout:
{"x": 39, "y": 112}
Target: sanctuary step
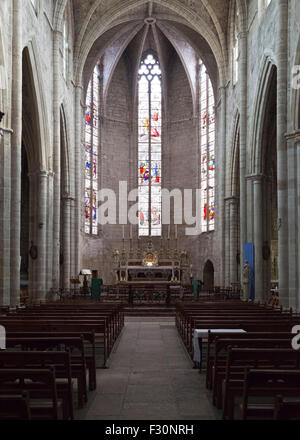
{"x": 149, "y": 311}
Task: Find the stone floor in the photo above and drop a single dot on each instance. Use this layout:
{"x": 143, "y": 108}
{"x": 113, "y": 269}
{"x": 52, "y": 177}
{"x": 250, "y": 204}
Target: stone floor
{"x": 150, "y": 377}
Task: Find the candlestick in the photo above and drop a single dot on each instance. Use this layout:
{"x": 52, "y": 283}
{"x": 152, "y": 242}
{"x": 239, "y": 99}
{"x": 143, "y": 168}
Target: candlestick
{"x": 123, "y": 232}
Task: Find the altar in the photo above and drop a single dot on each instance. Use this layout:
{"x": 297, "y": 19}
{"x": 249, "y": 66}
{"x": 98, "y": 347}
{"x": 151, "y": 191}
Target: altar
{"x": 148, "y": 266}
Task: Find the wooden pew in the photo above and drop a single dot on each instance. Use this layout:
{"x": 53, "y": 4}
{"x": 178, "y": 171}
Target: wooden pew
{"x": 219, "y": 366}
{"x": 286, "y": 410}
{"x": 240, "y": 358}
{"x": 39, "y": 360}
{"x": 14, "y": 406}
{"x": 213, "y": 353}
{"x": 89, "y": 347}
{"x": 61, "y": 326}
{"x": 78, "y": 362}
{"x": 43, "y": 402}
{"x": 268, "y": 383}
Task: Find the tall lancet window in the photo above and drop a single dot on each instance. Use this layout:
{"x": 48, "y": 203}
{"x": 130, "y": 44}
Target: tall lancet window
{"x": 149, "y": 146}
{"x": 91, "y": 153}
{"x": 207, "y": 150}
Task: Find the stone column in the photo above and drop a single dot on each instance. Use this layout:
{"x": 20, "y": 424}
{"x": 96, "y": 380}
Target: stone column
{"x": 67, "y": 201}
{"x": 233, "y": 250}
{"x": 50, "y": 232}
{"x": 282, "y": 79}
{"x": 222, "y": 167}
{"x": 42, "y": 178}
{"x": 258, "y": 238}
{"x": 243, "y": 140}
{"x": 293, "y": 140}
{"x": 73, "y": 229}
{"x": 56, "y": 158}
{"x": 227, "y": 242}
{"x": 298, "y": 217}
{"x": 16, "y": 144}
{"x": 5, "y": 170}
{"x": 33, "y": 215}
{"x": 78, "y": 167}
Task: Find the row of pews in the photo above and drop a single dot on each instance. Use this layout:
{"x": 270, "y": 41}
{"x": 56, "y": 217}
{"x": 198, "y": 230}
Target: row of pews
{"x": 52, "y": 353}
{"x": 252, "y": 371}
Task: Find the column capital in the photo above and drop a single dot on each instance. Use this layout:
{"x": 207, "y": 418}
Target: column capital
{"x": 38, "y": 173}
{"x": 5, "y": 130}
{"x": 67, "y": 198}
{"x": 256, "y": 178}
{"x": 242, "y": 35}
{"x": 231, "y": 199}
{"x": 77, "y": 85}
{"x": 293, "y": 135}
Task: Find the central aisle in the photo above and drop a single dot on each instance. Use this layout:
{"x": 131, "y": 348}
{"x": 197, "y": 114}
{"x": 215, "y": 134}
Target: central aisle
{"x": 150, "y": 377}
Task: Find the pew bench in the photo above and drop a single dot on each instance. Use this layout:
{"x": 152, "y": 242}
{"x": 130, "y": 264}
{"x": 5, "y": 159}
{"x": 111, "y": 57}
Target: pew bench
{"x": 269, "y": 383}
{"x": 40, "y": 386}
{"x": 255, "y": 358}
{"x": 39, "y": 360}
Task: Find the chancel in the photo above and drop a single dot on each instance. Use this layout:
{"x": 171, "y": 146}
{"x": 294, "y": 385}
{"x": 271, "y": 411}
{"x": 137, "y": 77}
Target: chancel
{"x": 149, "y": 210}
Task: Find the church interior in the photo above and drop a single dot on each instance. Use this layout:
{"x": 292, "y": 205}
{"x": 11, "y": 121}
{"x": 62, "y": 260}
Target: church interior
{"x": 149, "y": 209}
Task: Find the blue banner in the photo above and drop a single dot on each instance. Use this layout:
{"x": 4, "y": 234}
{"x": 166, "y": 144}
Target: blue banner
{"x": 249, "y": 256}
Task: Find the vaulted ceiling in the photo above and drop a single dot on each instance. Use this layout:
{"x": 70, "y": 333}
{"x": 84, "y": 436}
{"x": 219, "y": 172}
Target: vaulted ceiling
{"x": 188, "y": 28}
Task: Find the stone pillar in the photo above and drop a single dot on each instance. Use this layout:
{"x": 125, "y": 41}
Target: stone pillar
{"x": 50, "y": 232}
{"x": 258, "y": 238}
{"x": 78, "y": 167}
{"x": 222, "y": 167}
{"x": 16, "y": 144}
{"x": 293, "y": 140}
{"x": 33, "y": 215}
{"x": 243, "y": 140}
{"x": 233, "y": 250}
{"x": 67, "y": 201}
{"x": 297, "y": 219}
{"x": 42, "y": 178}
{"x": 227, "y": 242}
{"x": 5, "y": 170}
{"x": 282, "y": 79}
{"x": 56, "y": 159}
{"x": 72, "y": 246}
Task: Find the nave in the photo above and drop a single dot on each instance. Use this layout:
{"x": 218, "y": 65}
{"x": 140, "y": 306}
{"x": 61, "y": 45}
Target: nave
{"x": 220, "y": 359}
{"x": 150, "y": 377}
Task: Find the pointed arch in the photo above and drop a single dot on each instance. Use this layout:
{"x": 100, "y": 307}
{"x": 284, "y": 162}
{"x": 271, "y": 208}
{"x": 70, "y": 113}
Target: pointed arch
{"x": 208, "y": 275}
{"x": 234, "y": 160}
{"x": 3, "y": 78}
{"x": 150, "y": 146}
{"x": 295, "y": 99}
{"x": 43, "y": 139}
{"x": 265, "y": 80}
{"x": 65, "y": 151}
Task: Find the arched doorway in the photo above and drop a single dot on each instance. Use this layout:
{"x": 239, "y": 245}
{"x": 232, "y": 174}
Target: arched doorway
{"x": 208, "y": 275}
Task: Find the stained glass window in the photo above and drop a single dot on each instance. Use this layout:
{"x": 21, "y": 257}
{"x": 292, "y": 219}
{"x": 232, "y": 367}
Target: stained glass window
{"x": 149, "y": 146}
{"x": 207, "y": 150}
{"x": 91, "y": 153}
